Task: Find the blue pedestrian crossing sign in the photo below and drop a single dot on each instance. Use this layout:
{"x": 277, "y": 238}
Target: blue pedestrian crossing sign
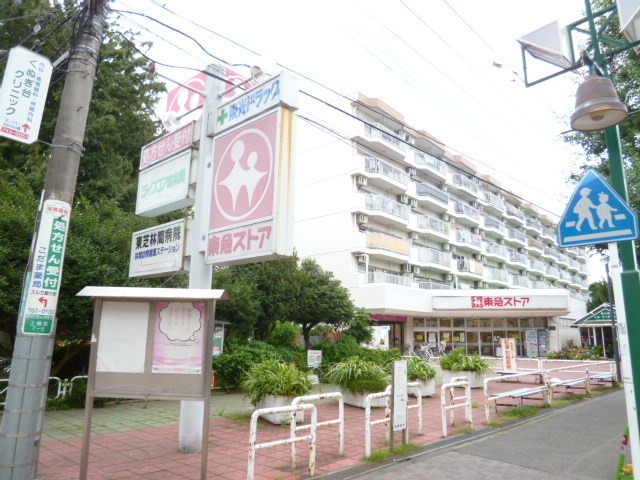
{"x": 596, "y": 214}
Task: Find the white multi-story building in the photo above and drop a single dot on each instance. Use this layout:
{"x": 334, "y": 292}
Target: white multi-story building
{"x": 425, "y": 242}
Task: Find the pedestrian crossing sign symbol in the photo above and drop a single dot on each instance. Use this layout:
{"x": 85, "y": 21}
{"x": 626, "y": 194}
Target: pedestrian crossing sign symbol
{"x": 596, "y": 214}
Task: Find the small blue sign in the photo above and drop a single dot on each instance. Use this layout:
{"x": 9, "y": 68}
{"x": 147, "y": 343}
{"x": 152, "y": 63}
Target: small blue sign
{"x": 596, "y": 214}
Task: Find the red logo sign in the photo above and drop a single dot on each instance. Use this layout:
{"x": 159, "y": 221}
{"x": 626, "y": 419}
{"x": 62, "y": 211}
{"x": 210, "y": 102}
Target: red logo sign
{"x": 244, "y": 174}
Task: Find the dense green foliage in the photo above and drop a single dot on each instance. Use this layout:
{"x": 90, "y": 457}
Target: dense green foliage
{"x": 593, "y": 352}
{"x": 418, "y": 369}
{"x": 75, "y": 399}
{"x": 459, "y": 361}
{"x": 284, "y": 334}
{"x": 359, "y": 375}
{"x": 271, "y": 377}
{"x": 598, "y": 294}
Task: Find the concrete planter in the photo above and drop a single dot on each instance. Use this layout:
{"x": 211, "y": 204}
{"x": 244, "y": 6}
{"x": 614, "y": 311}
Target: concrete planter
{"x": 271, "y": 401}
{"x": 427, "y": 387}
{"x": 358, "y": 399}
{"x": 476, "y": 380}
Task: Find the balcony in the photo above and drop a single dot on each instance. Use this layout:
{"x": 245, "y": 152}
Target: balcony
{"x": 496, "y": 276}
{"x": 514, "y": 216}
{"x": 431, "y": 165}
{"x": 494, "y": 228}
{"x": 466, "y": 186}
{"x": 390, "y": 247}
{"x": 466, "y": 214}
{"x": 565, "y": 278}
{"x": 385, "y": 175}
{"x": 434, "y": 198}
{"x": 519, "y": 281}
{"x": 431, "y": 259}
{"x": 493, "y": 203}
{"x": 435, "y": 286}
{"x": 537, "y": 284}
{"x": 534, "y": 246}
{"x": 469, "y": 269}
{"x": 575, "y": 281}
{"x": 385, "y": 277}
{"x": 384, "y": 207}
{"x": 518, "y": 259}
{"x": 578, "y": 296}
{"x": 381, "y": 139}
{"x": 549, "y": 234}
{"x": 516, "y": 237}
{"x": 550, "y": 254}
{"x": 467, "y": 241}
{"x": 563, "y": 260}
{"x": 536, "y": 266}
{"x": 431, "y": 226}
{"x": 574, "y": 266}
{"x": 533, "y": 226}
{"x": 496, "y": 251}
{"x": 552, "y": 273}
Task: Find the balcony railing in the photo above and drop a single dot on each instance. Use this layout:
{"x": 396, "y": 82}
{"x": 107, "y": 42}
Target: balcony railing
{"x": 497, "y": 274}
{"x": 519, "y": 281}
{"x": 429, "y": 191}
{"x": 531, "y": 223}
{"x": 432, "y": 223}
{"x": 553, "y": 271}
{"x": 431, "y": 255}
{"x": 465, "y": 265}
{"x": 535, "y": 244}
{"x": 564, "y": 259}
{"x": 393, "y": 278}
{"x": 380, "y": 202}
{"x": 537, "y": 284}
{"x": 548, "y": 232}
{"x": 565, "y": 276}
{"x": 495, "y": 201}
{"x": 496, "y": 249}
{"x": 467, "y": 237}
{"x": 495, "y": 224}
{"x": 375, "y": 165}
{"x": 468, "y": 210}
{"x": 462, "y": 181}
{"x": 537, "y": 265}
{"x": 387, "y": 242}
{"x": 423, "y": 158}
{"x": 518, "y": 257}
{"x": 380, "y": 131}
{"x": 552, "y": 252}
{"x": 516, "y": 235}
{"x": 434, "y": 286}
{"x": 515, "y": 212}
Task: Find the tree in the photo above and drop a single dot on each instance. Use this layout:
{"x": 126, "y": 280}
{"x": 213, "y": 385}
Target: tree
{"x": 598, "y": 294}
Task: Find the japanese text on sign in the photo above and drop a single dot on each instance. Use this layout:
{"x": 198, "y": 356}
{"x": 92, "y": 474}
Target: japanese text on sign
{"x": 158, "y": 250}
{"x": 499, "y": 302}
{"x": 241, "y": 240}
{"x": 166, "y": 146}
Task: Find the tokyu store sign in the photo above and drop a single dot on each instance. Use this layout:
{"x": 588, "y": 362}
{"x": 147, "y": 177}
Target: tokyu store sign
{"x": 477, "y": 302}
{"x": 37, "y": 313}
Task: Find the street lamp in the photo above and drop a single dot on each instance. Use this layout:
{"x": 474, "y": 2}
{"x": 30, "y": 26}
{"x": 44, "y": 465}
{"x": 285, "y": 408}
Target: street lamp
{"x": 597, "y": 106}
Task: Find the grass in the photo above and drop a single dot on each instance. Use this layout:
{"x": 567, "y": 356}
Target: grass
{"x": 493, "y": 423}
{"x": 240, "y": 418}
{"x": 145, "y": 405}
{"x": 560, "y": 403}
{"x": 521, "y": 412}
{"x": 382, "y": 455}
{"x": 466, "y": 430}
{"x": 475, "y": 405}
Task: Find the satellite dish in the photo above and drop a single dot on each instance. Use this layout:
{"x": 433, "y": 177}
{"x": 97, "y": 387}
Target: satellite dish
{"x": 549, "y": 43}
{"x": 629, "y": 15}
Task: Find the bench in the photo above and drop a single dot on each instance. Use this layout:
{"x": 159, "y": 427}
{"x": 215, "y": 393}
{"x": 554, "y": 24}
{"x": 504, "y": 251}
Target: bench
{"x": 519, "y": 394}
{"x": 573, "y": 384}
{"x": 604, "y": 378}
{"x": 539, "y": 376}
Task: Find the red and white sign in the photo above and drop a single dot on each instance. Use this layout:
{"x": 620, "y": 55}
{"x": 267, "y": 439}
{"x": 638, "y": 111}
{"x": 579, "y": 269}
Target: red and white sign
{"x": 23, "y": 94}
{"x": 245, "y": 220}
{"x": 165, "y": 147}
{"x": 508, "y": 354}
{"x": 492, "y": 302}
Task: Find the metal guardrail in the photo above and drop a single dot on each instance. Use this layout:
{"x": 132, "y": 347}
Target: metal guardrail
{"x": 455, "y": 382}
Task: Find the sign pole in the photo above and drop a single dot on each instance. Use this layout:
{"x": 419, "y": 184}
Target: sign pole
{"x": 192, "y": 413}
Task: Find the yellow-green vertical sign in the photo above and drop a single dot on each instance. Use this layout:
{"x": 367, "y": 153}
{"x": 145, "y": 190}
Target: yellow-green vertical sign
{"x": 37, "y": 313}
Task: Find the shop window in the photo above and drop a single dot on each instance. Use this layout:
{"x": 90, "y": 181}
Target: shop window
{"x": 418, "y": 338}
{"x": 473, "y": 323}
{"x": 512, "y": 323}
{"x": 432, "y": 323}
{"x": 539, "y": 323}
{"x": 445, "y": 323}
{"x": 484, "y": 322}
{"x": 458, "y": 323}
{"x": 446, "y": 337}
{"x": 525, "y": 323}
{"x": 499, "y": 323}
{"x": 459, "y": 339}
{"x": 418, "y": 323}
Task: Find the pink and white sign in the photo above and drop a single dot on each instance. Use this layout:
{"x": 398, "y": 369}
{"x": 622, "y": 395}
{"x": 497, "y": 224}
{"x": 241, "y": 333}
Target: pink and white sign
{"x": 166, "y": 146}
{"x": 179, "y": 338}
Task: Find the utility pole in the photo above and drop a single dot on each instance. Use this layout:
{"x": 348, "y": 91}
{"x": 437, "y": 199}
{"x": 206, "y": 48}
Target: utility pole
{"x": 21, "y": 430}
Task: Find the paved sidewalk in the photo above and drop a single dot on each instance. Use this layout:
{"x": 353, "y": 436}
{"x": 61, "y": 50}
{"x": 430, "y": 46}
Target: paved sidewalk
{"x": 140, "y": 440}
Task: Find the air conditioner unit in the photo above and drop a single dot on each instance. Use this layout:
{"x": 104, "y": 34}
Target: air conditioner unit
{"x": 415, "y": 269}
{"x": 475, "y": 204}
{"x": 406, "y": 267}
{"x": 476, "y": 230}
{"x": 361, "y": 181}
{"x": 446, "y": 217}
{"x": 501, "y": 266}
{"x": 414, "y": 236}
{"x": 448, "y": 277}
{"x": 411, "y": 171}
{"x": 500, "y": 241}
{"x": 521, "y": 250}
{"x": 413, "y": 202}
{"x": 403, "y": 198}
{"x": 361, "y": 259}
{"x": 477, "y": 284}
{"x": 446, "y": 247}
{"x": 477, "y": 256}
{"x": 524, "y": 272}
{"x": 362, "y": 219}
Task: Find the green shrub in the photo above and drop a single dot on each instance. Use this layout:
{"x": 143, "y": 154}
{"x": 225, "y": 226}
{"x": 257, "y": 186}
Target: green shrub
{"x": 384, "y": 358}
{"x": 419, "y": 370}
{"x": 593, "y": 352}
{"x": 459, "y": 361}
{"x": 75, "y": 399}
{"x": 345, "y": 347}
{"x": 359, "y": 375}
{"x": 272, "y": 377}
{"x": 284, "y": 334}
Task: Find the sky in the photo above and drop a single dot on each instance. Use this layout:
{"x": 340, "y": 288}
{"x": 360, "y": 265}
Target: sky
{"x": 451, "y": 67}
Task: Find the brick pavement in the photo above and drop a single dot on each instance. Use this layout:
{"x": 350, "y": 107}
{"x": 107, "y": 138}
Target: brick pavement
{"x": 139, "y": 440}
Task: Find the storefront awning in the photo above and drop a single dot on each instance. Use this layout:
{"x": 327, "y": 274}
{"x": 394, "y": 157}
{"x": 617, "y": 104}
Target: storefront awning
{"x": 598, "y": 317}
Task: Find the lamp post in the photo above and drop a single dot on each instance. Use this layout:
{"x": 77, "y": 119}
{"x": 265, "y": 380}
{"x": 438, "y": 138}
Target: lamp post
{"x": 597, "y": 109}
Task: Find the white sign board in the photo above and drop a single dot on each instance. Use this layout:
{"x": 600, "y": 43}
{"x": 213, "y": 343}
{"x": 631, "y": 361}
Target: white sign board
{"x": 158, "y": 251}
{"x": 509, "y": 354}
{"x": 23, "y": 95}
{"x": 42, "y": 286}
{"x": 380, "y": 338}
{"x": 251, "y": 196}
{"x": 314, "y": 358}
{"x": 164, "y": 188}
{"x": 281, "y": 90}
{"x": 169, "y": 145}
{"x": 400, "y": 395}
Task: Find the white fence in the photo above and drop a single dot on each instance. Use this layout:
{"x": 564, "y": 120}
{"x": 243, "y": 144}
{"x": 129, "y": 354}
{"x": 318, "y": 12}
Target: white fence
{"x": 461, "y": 382}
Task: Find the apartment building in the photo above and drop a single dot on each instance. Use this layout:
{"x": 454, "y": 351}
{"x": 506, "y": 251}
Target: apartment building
{"x": 433, "y": 248}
